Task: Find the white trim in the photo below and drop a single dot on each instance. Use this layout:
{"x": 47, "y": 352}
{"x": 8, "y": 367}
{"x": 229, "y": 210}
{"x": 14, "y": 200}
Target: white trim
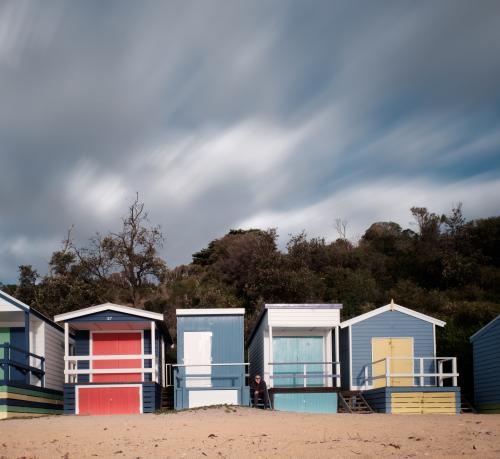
{"x": 110, "y": 307}
{"x": 392, "y": 307}
{"x": 412, "y": 357}
{"x": 302, "y": 306}
{"x": 349, "y": 332}
{"x": 154, "y": 376}
{"x": 77, "y": 394}
{"x": 434, "y": 339}
{"x": 23, "y": 306}
{"x": 210, "y": 312}
{"x": 66, "y": 352}
{"x": 338, "y": 379}
{"x": 91, "y": 348}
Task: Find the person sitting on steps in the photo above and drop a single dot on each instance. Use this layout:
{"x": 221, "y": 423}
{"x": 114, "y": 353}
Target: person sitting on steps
{"x": 258, "y": 391}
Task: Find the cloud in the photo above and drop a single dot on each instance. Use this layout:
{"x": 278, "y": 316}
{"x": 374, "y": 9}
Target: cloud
{"x": 242, "y": 113}
{"x": 380, "y": 200}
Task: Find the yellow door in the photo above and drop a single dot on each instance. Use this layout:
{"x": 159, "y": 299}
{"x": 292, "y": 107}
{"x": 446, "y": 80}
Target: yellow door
{"x": 402, "y": 348}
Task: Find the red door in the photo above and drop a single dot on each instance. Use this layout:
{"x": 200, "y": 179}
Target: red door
{"x": 112, "y": 343}
{"x": 109, "y": 400}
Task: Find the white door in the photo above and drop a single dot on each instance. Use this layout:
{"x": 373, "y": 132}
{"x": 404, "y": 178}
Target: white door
{"x": 198, "y": 352}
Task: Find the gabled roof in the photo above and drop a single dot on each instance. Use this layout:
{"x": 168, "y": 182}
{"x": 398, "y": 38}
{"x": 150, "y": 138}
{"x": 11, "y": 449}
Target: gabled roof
{"x": 23, "y": 307}
{"x": 108, "y": 307}
{"x": 392, "y": 307}
{"x": 482, "y": 330}
{"x": 13, "y": 301}
{"x": 210, "y": 312}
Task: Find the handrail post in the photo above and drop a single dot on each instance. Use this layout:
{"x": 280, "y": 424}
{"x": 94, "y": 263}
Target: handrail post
{"x": 66, "y": 352}
{"x": 337, "y": 371}
{"x": 454, "y": 371}
{"x": 271, "y": 357}
{"x": 305, "y": 374}
{"x": 440, "y": 371}
{"x": 387, "y": 372}
{"x": 366, "y": 377}
{"x": 421, "y": 372}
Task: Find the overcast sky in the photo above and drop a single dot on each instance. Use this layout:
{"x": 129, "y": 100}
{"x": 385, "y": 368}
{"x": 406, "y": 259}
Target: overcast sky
{"x": 242, "y": 114}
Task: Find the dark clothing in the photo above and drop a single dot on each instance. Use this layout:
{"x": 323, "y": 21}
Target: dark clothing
{"x": 259, "y": 391}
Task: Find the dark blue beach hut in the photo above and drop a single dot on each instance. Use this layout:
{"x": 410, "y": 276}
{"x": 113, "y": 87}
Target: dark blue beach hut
{"x": 389, "y": 354}
{"x": 486, "y": 357}
{"x": 117, "y": 363}
{"x": 210, "y": 368}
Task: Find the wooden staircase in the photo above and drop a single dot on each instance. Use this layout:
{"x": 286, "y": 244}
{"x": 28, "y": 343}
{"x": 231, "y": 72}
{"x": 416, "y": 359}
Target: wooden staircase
{"x": 466, "y": 406}
{"x": 353, "y": 402}
{"x": 167, "y": 398}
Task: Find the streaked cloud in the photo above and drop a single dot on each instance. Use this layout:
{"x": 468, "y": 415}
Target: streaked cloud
{"x": 227, "y": 114}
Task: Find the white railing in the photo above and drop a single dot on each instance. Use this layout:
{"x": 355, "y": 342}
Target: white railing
{"x": 327, "y": 374}
{"x": 71, "y": 370}
{"x": 418, "y": 378}
{"x": 207, "y": 377}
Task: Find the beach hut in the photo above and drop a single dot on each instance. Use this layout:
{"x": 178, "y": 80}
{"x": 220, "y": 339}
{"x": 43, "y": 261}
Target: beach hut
{"x": 210, "y": 369}
{"x": 486, "y": 361}
{"x": 390, "y": 355}
{"x": 295, "y": 347}
{"x": 117, "y": 364}
{"x": 31, "y": 361}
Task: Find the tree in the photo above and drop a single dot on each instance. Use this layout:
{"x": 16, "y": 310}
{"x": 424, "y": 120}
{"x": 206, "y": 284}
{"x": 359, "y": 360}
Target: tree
{"x": 26, "y": 290}
{"x": 129, "y": 258}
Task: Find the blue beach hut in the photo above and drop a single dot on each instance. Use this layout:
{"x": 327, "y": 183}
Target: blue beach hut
{"x": 389, "y": 354}
{"x": 31, "y": 361}
{"x": 295, "y": 347}
{"x": 210, "y": 369}
{"x": 486, "y": 361}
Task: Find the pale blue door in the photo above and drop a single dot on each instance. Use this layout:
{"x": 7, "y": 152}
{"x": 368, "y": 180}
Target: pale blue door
{"x": 289, "y": 353}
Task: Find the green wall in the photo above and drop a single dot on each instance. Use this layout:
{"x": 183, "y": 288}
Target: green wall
{"x": 4, "y": 338}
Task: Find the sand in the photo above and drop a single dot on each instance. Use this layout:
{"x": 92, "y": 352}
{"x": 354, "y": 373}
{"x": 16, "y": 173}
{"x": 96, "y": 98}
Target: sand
{"x": 244, "y": 432}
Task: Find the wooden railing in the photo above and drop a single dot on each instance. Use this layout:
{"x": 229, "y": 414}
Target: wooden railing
{"x": 328, "y": 376}
{"x": 420, "y": 378}
{"x": 26, "y": 367}
{"x": 71, "y": 370}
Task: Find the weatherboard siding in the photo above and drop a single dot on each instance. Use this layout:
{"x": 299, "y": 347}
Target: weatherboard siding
{"x": 82, "y": 347}
{"x": 54, "y": 358}
{"x": 303, "y": 317}
{"x": 486, "y": 358}
{"x": 108, "y": 316}
{"x": 227, "y": 347}
{"x": 256, "y": 350}
{"x": 390, "y": 324}
{"x": 344, "y": 357}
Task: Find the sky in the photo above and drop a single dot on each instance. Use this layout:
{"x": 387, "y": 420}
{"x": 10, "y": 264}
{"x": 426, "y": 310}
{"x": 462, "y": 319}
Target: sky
{"x": 239, "y": 114}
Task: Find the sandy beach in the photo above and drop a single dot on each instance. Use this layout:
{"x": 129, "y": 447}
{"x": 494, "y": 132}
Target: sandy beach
{"x": 243, "y": 432}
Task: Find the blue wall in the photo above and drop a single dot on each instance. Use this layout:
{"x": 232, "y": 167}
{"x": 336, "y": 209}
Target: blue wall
{"x": 227, "y": 347}
{"x": 486, "y": 355}
{"x": 390, "y": 324}
{"x": 306, "y": 402}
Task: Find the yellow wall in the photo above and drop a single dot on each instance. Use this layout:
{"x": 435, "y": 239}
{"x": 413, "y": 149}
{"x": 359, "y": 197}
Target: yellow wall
{"x": 423, "y": 402}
